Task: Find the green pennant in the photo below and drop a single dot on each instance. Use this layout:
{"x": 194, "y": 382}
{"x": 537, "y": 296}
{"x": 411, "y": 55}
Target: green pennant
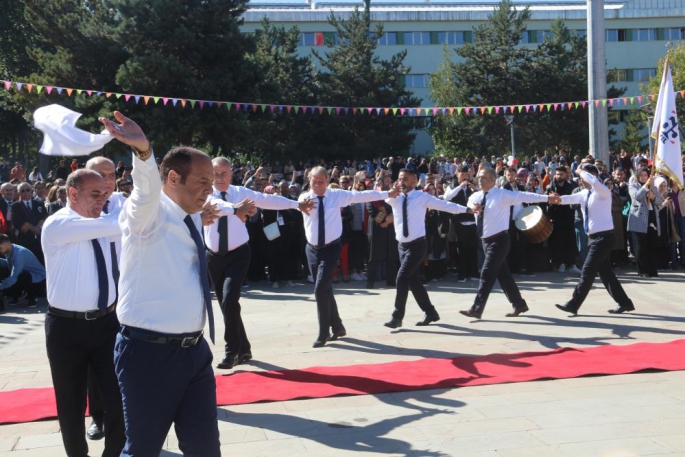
{"x": 192, "y": 103}
{"x": 490, "y": 108}
{"x": 79, "y": 91}
{"x": 459, "y": 110}
{"x": 38, "y": 89}
{"x": 118, "y": 95}
{"x": 156, "y": 99}
{"x": 632, "y": 100}
{"x": 394, "y": 111}
{"x": 549, "y": 107}
{"x": 229, "y": 105}
{"x": 329, "y": 109}
{"x": 263, "y": 108}
{"x": 576, "y": 104}
{"x": 604, "y": 102}
{"x": 298, "y": 109}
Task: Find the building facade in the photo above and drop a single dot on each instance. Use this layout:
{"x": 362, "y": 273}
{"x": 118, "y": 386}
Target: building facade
{"x": 637, "y": 34}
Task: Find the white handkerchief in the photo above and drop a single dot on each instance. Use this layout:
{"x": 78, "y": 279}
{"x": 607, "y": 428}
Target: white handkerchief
{"x": 62, "y": 137}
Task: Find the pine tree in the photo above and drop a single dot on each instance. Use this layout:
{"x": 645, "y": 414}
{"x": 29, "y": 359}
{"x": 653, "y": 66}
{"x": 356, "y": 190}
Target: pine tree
{"x": 352, "y": 75}
{"x": 634, "y": 132}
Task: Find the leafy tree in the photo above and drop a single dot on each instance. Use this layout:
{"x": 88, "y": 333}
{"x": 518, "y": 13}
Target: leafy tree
{"x": 352, "y": 75}
{"x": 497, "y": 71}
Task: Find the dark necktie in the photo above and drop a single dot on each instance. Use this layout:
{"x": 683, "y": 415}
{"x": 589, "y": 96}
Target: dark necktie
{"x": 105, "y": 209}
{"x": 103, "y": 280}
{"x": 481, "y": 217}
{"x": 204, "y": 279}
{"x": 587, "y": 212}
{"x": 405, "y": 217}
{"x": 113, "y": 252}
{"x": 322, "y": 223}
{"x": 223, "y": 231}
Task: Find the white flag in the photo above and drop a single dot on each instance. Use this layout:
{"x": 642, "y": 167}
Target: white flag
{"x": 62, "y": 137}
{"x": 666, "y": 132}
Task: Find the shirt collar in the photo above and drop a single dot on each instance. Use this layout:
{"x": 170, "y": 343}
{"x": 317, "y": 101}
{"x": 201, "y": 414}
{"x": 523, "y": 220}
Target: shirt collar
{"x": 177, "y": 210}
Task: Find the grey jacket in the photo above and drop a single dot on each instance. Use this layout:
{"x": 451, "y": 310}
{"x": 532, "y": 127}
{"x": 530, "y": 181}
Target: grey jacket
{"x": 638, "y": 219}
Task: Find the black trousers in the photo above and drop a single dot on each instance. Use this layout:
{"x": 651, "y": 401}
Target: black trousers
{"x": 516, "y": 259}
{"x": 562, "y": 244}
{"x": 409, "y": 278}
{"x": 228, "y": 273}
{"x": 645, "y": 252}
{"x": 467, "y": 242}
{"x": 495, "y": 267}
{"x": 74, "y": 346}
{"x": 598, "y": 260}
{"x": 95, "y": 406}
{"x": 322, "y": 262}
{"x": 25, "y": 283}
{"x": 358, "y": 250}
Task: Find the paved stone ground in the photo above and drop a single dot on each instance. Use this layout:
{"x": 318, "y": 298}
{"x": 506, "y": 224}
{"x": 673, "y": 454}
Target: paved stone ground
{"x": 628, "y": 415}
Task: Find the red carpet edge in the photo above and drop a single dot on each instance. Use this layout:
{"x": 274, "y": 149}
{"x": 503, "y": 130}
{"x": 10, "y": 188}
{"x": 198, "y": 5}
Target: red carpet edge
{"x": 27, "y": 405}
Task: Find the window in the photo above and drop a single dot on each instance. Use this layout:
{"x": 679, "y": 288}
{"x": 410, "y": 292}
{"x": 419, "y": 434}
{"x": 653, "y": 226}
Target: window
{"x": 616, "y": 76}
{"x": 582, "y": 33}
{"x": 643, "y": 74}
{"x": 674, "y": 34}
{"x": 450, "y": 37}
{"x": 312, "y": 39}
{"x": 644, "y": 34}
{"x": 612, "y": 35}
{"x": 388, "y": 39}
{"x": 417, "y": 38}
{"x": 417, "y": 81}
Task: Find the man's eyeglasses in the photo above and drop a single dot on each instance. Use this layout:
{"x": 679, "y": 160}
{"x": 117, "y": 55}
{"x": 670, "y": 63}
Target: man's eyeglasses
{"x": 26, "y": 190}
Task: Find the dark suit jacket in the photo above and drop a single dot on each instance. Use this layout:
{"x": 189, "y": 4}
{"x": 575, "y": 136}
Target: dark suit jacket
{"x": 54, "y": 207}
{"x": 462, "y": 198}
{"x": 21, "y": 215}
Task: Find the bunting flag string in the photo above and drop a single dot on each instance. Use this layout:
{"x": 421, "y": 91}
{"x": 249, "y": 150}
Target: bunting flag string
{"x": 432, "y": 111}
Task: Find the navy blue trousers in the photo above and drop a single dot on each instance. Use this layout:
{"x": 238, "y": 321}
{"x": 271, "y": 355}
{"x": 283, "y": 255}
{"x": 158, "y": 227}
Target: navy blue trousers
{"x": 163, "y": 384}
{"x": 322, "y": 262}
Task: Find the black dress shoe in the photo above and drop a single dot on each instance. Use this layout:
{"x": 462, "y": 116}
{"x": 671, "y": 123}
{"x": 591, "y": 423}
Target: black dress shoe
{"x": 244, "y": 357}
{"x": 621, "y": 309}
{"x": 95, "y": 431}
{"x": 428, "y": 319}
{"x": 567, "y": 309}
{"x": 341, "y": 332}
{"x": 517, "y": 311}
{"x": 321, "y": 341}
{"x": 229, "y": 361}
{"x": 471, "y": 313}
{"x": 393, "y": 323}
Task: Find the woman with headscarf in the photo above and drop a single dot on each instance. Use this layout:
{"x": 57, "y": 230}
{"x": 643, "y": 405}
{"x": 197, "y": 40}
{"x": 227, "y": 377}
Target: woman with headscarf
{"x": 643, "y": 220}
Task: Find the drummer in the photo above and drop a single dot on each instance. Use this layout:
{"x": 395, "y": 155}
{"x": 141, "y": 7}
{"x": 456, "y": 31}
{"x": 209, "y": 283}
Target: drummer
{"x": 493, "y": 208}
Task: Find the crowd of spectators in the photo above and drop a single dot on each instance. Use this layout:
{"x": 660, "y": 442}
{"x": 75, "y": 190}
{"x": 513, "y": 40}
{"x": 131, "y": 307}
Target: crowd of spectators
{"x": 648, "y": 212}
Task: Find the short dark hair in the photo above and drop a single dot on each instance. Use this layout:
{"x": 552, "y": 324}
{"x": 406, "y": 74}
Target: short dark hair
{"x": 562, "y": 168}
{"x": 407, "y": 170}
{"x": 179, "y": 159}
{"x": 4, "y": 239}
{"x": 464, "y": 169}
{"x": 590, "y": 169}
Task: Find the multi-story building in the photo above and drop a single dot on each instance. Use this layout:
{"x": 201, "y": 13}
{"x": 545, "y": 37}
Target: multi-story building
{"x": 637, "y": 33}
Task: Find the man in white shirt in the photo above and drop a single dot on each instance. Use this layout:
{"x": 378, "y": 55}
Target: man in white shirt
{"x": 163, "y": 363}
{"x": 81, "y": 325}
{"x": 114, "y": 201}
{"x": 228, "y": 254}
{"x": 323, "y": 228}
{"x": 595, "y": 203}
{"x": 409, "y": 216}
{"x": 493, "y": 208}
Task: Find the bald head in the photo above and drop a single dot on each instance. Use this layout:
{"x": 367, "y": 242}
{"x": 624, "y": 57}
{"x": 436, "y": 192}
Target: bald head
{"x": 105, "y": 168}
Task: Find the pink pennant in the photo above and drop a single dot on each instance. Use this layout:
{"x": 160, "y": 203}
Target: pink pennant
{"x": 165, "y": 100}
{"x": 527, "y": 108}
{"x": 639, "y": 99}
{"x": 467, "y": 110}
{"x": 127, "y": 97}
{"x": 584, "y": 103}
{"x": 237, "y": 106}
{"x": 89, "y": 92}
{"x": 556, "y": 106}
{"x": 8, "y": 84}
{"x": 497, "y": 108}
{"x": 369, "y": 110}
{"x": 272, "y": 108}
{"x": 337, "y": 111}
{"x": 48, "y": 89}
{"x": 202, "y": 104}
{"x": 611, "y": 101}
{"x": 435, "y": 112}
{"x": 402, "y": 110}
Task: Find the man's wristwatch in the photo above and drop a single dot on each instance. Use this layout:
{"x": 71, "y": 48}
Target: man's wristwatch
{"x": 143, "y": 155}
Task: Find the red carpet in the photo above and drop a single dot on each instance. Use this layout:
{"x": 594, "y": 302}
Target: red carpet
{"x": 26, "y": 405}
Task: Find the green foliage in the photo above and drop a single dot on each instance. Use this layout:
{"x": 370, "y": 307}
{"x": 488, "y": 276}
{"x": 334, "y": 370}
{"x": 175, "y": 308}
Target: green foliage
{"x": 634, "y": 136}
{"x": 498, "y": 71}
{"x": 353, "y": 76}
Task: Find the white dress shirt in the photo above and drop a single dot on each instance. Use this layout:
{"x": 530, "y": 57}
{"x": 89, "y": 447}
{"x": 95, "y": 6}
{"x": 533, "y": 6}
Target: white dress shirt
{"x": 116, "y": 203}
{"x": 333, "y": 200}
{"x": 498, "y": 207}
{"x": 417, "y": 204}
{"x": 159, "y": 287}
{"x": 71, "y": 269}
{"x": 237, "y": 231}
{"x": 599, "y": 204}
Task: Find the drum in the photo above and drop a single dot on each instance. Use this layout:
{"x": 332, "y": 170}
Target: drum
{"x": 534, "y": 224}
